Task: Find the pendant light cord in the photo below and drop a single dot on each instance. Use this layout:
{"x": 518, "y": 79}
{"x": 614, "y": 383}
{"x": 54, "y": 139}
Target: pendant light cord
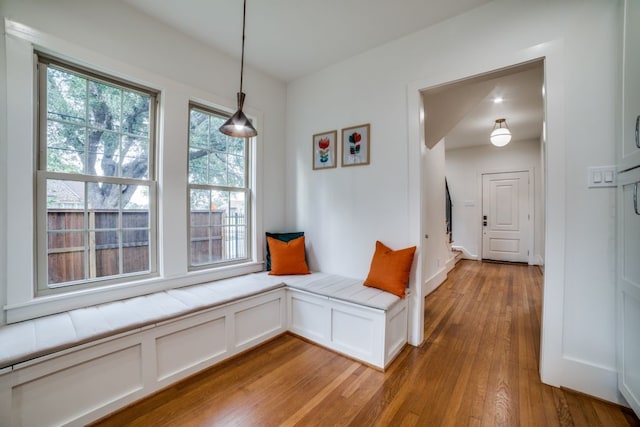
{"x": 244, "y": 17}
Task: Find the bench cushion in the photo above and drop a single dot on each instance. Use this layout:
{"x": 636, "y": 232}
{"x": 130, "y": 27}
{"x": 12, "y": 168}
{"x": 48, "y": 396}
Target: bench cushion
{"x": 341, "y": 288}
{"x": 26, "y": 340}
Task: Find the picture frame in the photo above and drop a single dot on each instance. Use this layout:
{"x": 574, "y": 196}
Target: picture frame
{"x": 356, "y": 145}
{"x": 324, "y": 150}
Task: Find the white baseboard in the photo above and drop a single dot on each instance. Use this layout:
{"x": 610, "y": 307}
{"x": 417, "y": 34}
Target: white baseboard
{"x": 594, "y": 380}
{"x": 539, "y": 260}
{"x": 465, "y": 253}
{"x": 432, "y": 283}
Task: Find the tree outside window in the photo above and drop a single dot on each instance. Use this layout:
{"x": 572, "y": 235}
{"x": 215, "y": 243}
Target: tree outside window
{"x": 218, "y": 191}
{"x": 96, "y": 166}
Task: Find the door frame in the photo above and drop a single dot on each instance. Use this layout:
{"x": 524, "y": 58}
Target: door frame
{"x": 532, "y": 210}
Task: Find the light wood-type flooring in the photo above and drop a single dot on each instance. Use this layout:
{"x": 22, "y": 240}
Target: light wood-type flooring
{"x": 478, "y": 366}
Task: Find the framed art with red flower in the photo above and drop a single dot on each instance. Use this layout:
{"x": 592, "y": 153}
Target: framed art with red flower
{"x": 324, "y": 150}
{"x": 356, "y": 145}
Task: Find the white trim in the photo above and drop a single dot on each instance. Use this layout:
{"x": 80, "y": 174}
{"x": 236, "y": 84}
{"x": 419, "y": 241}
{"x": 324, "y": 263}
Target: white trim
{"x": 600, "y": 381}
{"x": 415, "y": 154}
{"x": 432, "y": 283}
{"x": 465, "y": 252}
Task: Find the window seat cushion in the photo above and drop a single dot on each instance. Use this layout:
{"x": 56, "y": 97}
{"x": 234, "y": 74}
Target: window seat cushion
{"x": 29, "y": 339}
{"x": 23, "y": 341}
{"x": 340, "y": 288}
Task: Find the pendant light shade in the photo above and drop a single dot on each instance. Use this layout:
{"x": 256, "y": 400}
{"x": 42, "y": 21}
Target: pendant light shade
{"x": 239, "y": 125}
{"x": 500, "y": 135}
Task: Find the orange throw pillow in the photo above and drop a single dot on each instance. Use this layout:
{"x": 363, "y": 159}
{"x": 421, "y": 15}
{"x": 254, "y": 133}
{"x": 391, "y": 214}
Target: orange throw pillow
{"x": 287, "y": 257}
{"x": 390, "y": 269}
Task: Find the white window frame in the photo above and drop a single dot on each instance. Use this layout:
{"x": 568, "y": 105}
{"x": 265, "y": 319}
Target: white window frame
{"x": 247, "y": 190}
{"x": 43, "y": 61}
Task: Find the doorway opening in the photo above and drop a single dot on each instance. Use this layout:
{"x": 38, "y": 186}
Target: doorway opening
{"x": 497, "y": 193}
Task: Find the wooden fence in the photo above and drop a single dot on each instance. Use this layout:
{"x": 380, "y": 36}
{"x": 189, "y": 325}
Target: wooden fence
{"x": 113, "y": 249}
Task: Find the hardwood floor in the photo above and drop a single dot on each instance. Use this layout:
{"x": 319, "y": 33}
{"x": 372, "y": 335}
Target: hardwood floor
{"x": 478, "y": 366}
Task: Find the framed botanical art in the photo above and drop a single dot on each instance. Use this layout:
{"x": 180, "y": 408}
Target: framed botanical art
{"x": 324, "y": 150}
{"x": 356, "y": 145}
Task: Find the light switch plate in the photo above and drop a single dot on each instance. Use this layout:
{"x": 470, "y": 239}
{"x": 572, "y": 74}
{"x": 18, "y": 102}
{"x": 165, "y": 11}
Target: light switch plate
{"x": 601, "y": 176}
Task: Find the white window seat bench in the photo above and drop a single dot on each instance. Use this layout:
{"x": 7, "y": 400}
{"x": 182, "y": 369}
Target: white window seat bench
{"x": 75, "y": 367}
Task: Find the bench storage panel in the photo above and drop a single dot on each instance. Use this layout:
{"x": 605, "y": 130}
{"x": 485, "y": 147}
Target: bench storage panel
{"x": 373, "y": 336}
{"x": 76, "y": 367}
{"x": 81, "y": 384}
{"x": 341, "y": 314}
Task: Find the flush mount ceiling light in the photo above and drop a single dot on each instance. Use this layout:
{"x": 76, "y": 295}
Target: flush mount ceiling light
{"x": 500, "y": 135}
{"x": 239, "y": 125}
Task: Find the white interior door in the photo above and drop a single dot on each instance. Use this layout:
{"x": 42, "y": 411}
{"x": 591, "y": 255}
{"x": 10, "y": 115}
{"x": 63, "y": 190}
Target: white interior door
{"x": 505, "y": 216}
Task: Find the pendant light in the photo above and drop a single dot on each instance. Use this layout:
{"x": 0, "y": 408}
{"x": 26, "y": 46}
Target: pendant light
{"x": 500, "y": 135}
{"x": 239, "y": 125}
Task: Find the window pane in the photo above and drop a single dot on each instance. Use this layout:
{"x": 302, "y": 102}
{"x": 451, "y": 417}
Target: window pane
{"x": 103, "y": 153}
{"x": 103, "y": 220}
{"x": 200, "y": 201}
{"x": 135, "y": 157}
{"x": 198, "y": 169}
{"x": 202, "y": 216}
{"x": 135, "y": 253}
{"x": 104, "y": 248}
{"x": 139, "y": 198}
{"x": 66, "y": 96}
{"x": 217, "y": 140}
{"x": 235, "y": 227}
{"x": 198, "y": 130}
{"x": 217, "y": 169}
{"x": 69, "y": 241}
{"x": 65, "y": 257}
{"x": 235, "y": 165}
{"x": 65, "y": 147}
{"x": 63, "y": 194}
{"x": 103, "y": 196}
{"x": 218, "y": 233}
{"x": 105, "y": 106}
{"x": 136, "y": 113}
{"x": 236, "y": 145}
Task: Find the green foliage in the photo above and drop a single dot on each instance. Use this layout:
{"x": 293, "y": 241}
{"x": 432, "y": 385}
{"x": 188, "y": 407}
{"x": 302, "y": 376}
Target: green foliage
{"x": 99, "y": 129}
{"x": 214, "y": 159}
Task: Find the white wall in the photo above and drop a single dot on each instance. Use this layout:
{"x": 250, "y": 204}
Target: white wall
{"x": 115, "y": 38}
{"x": 464, "y": 167}
{"x": 435, "y": 248}
{"x": 345, "y": 210}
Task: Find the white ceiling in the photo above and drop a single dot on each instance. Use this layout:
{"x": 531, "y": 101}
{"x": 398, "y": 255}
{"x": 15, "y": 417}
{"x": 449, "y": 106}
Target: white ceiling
{"x": 464, "y": 112}
{"x": 292, "y": 38}
{"x": 289, "y": 39}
